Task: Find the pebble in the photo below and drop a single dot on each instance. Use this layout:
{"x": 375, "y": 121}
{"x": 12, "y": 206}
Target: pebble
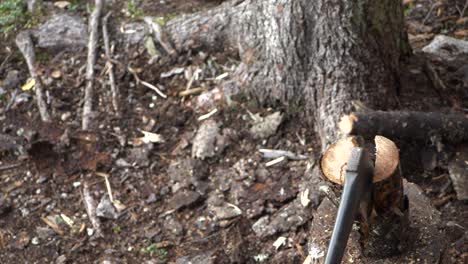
{"x": 35, "y": 241}
{"x": 183, "y": 198}
{"x": 267, "y": 126}
{"x": 106, "y": 209}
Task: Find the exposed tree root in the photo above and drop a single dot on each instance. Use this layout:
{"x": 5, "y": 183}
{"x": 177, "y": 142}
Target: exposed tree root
{"x": 110, "y": 66}
{"x": 26, "y": 46}
{"x": 92, "y": 47}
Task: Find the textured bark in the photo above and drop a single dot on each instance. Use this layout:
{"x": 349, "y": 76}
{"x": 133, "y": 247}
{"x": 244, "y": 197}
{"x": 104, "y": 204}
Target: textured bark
{"x": 415, "y": 126}
{"x": 317, "y": 54}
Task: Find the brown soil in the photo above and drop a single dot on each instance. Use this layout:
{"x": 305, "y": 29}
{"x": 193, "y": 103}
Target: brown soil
{"x": 43, "y": 173}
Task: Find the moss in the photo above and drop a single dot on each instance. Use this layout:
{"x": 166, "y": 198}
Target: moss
{"x": 13, "y": 15}
{"x": 42, "y": 56}
{"x": 133, "y": 9}
{"x": 358, "y": 16}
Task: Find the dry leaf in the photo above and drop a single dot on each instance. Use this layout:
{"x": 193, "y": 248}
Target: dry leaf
{"x": 29, "y": 85}
{"x": 148, "y": 137}
{"x": 56, "y": 74}
{"x": 462, "y": 33}
{"x": 62, "y": 4}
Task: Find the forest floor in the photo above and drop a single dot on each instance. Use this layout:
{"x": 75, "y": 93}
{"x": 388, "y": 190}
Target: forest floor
{"x": 172, "y": 206}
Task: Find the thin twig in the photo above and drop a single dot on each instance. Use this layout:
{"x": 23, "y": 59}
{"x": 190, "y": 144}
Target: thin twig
{"x": 114, "y": 91}
{"x": 10, "y": 166}
{"x": 429, "y": 13}
{"x": 90, "y": 205}
{"x": 4, "y": 62}
{"x": 462, "y": 11}
{"x": 149, "y": 85}
{"x": 26, "y": 46}
{"x": 92, "y": 47}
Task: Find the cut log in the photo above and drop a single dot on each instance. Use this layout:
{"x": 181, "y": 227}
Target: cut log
{"x": 383, "y": 218}
{"x": 414, "y": 126}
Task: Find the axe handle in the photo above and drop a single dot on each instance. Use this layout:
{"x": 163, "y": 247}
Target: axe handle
{"x": 358, "y": 182}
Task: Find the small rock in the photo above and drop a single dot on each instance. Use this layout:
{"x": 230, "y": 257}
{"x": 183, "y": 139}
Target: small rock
{"x": 62, "y": 31}
{"x": 35, "y": 241}
{"x": 203, "y": 145}
{"x": 267, "y": 126}
{"x": 140, "y": 155}
{"x": 122, "y": 163}
{"x": 241, "y": 168}
{"x": 44, "y": 233}
{"x": 225, "y": 211}
{"x": 65, "y": 116}
{"x": 256, "y": 209}
{"x": 447, "y": 48}
{"x": 11, "y": 81}
{"x": 106, "y": 209}
{"x": 262, "y": 228}
{"x": 458, "y": 171}
{"x": 183, "y": 198}
{"x": 151, "y": 198}
{"x": 186, "y": 172}
{"x": 173, "y": 226}
{"x": 290, "y": 217}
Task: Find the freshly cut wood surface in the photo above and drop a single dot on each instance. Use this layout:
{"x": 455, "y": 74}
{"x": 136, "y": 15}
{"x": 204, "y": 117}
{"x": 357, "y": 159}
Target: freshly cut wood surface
{"x": 335, "y": 158}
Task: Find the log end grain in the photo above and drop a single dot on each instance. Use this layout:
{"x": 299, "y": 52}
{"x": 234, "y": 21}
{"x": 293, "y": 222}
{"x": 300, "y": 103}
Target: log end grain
{"x": 335, "y": 158}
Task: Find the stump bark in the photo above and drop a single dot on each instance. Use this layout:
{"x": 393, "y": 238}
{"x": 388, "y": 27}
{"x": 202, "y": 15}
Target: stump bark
{"x": 383, "y": 219}
{"x": 313, "y": 56}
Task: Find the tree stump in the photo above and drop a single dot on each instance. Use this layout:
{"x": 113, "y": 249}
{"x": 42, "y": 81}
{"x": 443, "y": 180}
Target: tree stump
{"x": 382, "y": 219}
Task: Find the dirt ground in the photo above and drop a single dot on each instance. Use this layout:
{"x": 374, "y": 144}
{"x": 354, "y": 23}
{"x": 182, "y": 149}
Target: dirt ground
{"x": 169, "y": 200}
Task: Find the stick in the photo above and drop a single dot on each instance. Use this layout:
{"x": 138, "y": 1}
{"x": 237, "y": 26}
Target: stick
{"x": 114, "y": 91}
{"x": 92, "y": 46}
{"x": 416, "y": 126}
{"x": 149, "y": 85}
{"x": 26, "y": 46}
{"x": 90, "y": 206}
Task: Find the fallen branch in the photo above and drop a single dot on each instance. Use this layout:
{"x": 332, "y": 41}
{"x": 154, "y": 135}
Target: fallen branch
{"x": 90, "y": 206}
{"x": 92, "y": 47}
{"x": 26, "y": 46}
{"x": 414, "y": 126}
{"x": 110, "y": 66}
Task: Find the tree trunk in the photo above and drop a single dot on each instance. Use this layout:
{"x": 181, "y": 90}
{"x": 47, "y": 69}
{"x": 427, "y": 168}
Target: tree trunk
{"x": 317, "y": 56}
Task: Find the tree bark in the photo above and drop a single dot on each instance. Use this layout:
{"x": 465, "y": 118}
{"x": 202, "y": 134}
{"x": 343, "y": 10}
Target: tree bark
{"x": 415, "y": 126}
{"x": 312, "y": 56}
